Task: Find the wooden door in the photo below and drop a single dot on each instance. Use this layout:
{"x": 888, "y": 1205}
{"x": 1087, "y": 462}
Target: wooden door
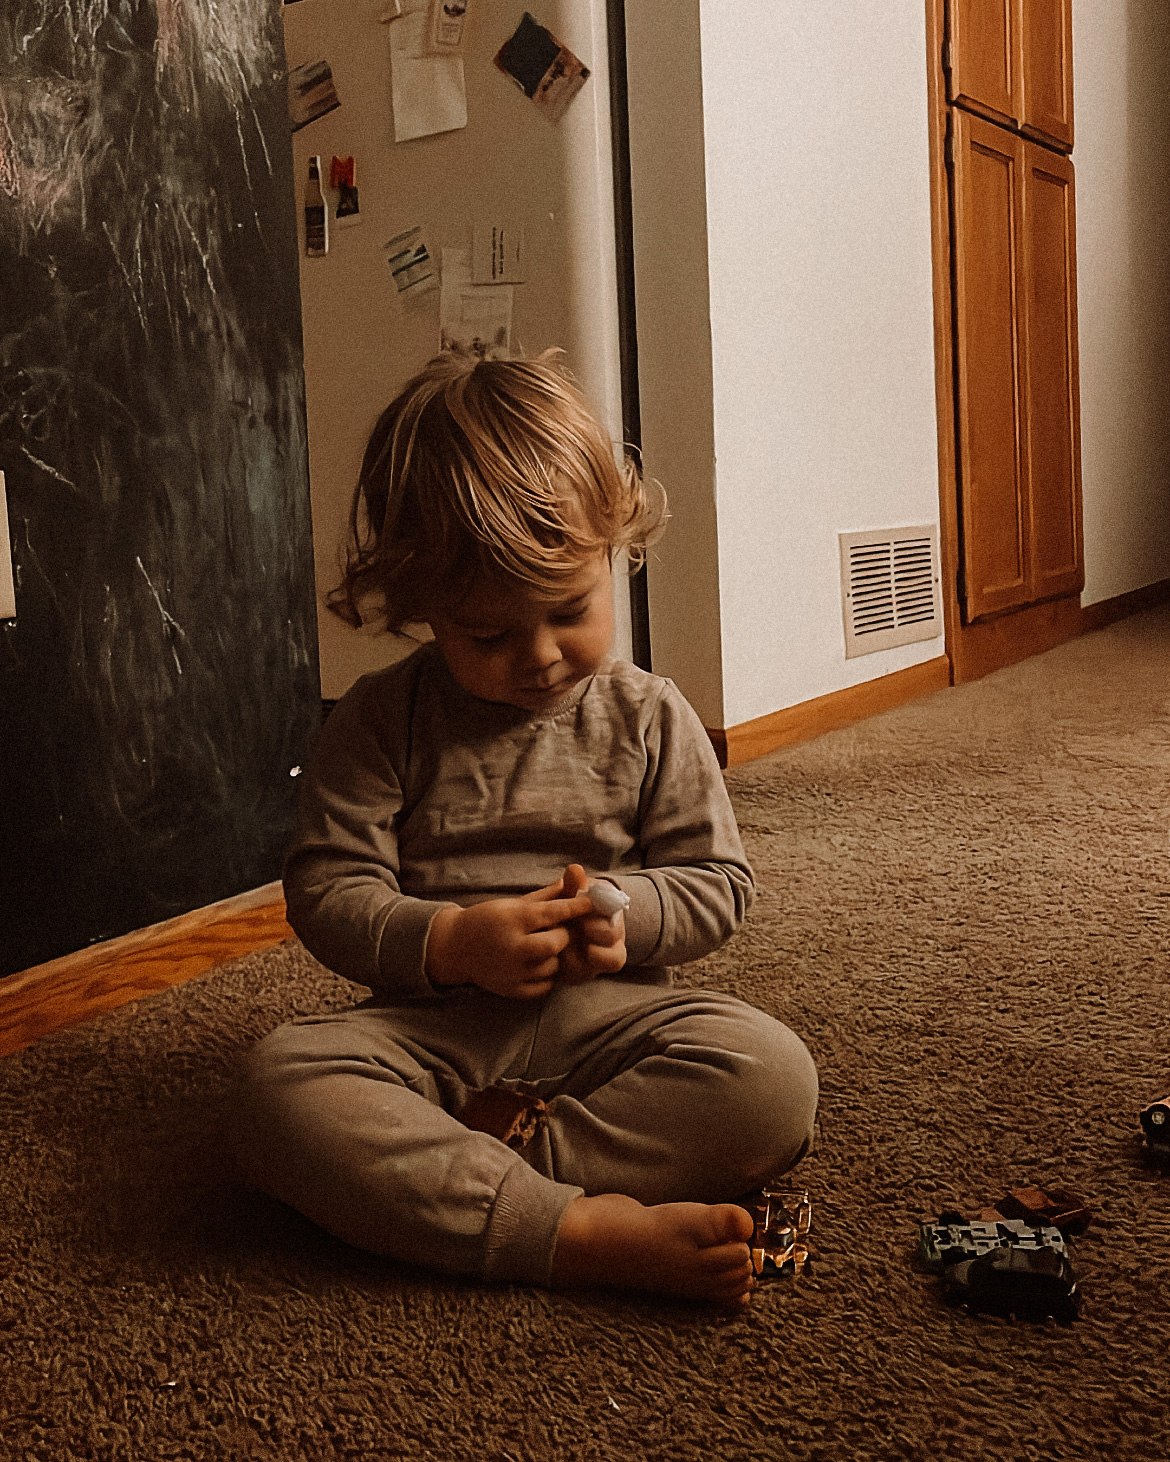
{"x": 1011, "y": 61}
{"x": 1002, "y": 215}
{"x": 1046, "y": 69}
{"x": 984, "y": 55}
{"x": 990, "y": 348}
{"x": 1052, "y": 413}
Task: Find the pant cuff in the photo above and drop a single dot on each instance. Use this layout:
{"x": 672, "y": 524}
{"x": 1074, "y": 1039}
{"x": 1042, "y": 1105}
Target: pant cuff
{"x": 522, "y": 1229}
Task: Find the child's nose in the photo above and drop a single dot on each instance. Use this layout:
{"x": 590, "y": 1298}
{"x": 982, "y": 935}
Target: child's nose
{"x": 544, "y": 651}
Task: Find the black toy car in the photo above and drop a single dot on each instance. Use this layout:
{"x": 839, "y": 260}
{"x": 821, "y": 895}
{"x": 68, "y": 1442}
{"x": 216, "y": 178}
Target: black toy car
{"x": 1001, "y": 1266}
{"x": 954, "y": 1238}
{"x": 1155, "y": 1120}
{"x": 1028, "y": 1283}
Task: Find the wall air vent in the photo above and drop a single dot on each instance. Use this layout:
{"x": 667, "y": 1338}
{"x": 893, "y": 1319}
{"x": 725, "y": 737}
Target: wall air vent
{"x": 890, "y": 588}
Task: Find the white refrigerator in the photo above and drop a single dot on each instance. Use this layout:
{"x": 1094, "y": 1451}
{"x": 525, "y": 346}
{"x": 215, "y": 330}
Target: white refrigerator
{"x": 547, "y": 181}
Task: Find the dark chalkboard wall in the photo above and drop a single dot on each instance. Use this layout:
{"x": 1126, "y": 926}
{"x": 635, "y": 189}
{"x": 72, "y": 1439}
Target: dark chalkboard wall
{"x": 159, "y": 684}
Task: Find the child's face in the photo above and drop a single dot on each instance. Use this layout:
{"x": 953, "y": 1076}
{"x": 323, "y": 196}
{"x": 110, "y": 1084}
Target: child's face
{"x": 504, "y": 642}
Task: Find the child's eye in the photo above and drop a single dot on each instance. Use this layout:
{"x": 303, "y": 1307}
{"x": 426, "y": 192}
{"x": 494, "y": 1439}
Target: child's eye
{"x": 493, "y": 639}
{"x": 575, "y": 618}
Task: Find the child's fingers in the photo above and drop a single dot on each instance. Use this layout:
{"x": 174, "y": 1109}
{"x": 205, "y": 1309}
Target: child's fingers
{"x": 547, "y": 969}
{"x": 543, "y": 895}
{"x": 573, "y": 969}
{"x": 575, "y": 880}
{"x": 544, "y": 945}
{"x": 602, "y": 929}
{"x": 605, "y": 959}
{"x": 527, "y": 981}
{"x": 547, "y": 915}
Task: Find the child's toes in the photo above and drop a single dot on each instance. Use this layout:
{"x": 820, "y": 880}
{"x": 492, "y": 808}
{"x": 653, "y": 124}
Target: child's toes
{"x": 734, "y": 1292}
{"x": 731, "y": 1224}
{"x": 726, "y": 1259}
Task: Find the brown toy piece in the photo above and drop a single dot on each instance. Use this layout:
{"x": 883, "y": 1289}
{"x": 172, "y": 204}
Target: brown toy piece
{"x": 508, "y": 1115}
{"x": 1058, "y": 1207}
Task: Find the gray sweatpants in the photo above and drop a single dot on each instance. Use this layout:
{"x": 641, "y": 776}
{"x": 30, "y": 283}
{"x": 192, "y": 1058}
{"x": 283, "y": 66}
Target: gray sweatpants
{"x": 658, "y": 1093}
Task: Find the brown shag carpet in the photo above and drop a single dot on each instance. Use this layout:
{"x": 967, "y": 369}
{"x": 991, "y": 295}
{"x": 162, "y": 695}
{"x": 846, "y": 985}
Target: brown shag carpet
{"x": 963, "y": 910}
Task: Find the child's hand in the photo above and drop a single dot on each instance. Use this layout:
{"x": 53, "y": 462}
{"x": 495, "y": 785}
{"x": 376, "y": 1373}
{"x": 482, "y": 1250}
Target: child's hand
{"x": 597, "y": 942}
{"x": 511, "y": 946}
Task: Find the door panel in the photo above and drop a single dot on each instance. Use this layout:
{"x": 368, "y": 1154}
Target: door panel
{"x": 985, "y": 58}
{"x": 1047, "y": 111}
{"x": 990, "y": 346}
{"x": 1053, "y": 454}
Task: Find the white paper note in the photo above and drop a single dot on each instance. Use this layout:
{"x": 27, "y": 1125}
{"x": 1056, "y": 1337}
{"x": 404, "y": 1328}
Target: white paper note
{"x": 428, "y": 91}
{"x": 474, "y": 317}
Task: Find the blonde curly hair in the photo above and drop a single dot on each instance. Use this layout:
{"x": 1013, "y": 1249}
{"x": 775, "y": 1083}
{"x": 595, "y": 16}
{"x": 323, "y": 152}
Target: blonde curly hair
{"x": 494, "y": 466}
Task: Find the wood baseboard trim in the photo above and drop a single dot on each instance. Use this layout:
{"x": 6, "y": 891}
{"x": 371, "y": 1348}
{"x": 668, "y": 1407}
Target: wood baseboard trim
{"x": 802, "y": 722}
{"x": 1121, "y": 606}
{"x": 76, "y": 987}
{"x": 718, "y": 739}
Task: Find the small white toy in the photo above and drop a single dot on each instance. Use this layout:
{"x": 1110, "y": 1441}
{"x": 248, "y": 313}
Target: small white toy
{"x": 608, "y": 899}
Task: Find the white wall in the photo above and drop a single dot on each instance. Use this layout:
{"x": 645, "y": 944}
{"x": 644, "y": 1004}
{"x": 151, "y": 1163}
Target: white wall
{"x": 817, "y": 282}
{"x": 1121, "y": 70}
{"x": 361, "y": 345}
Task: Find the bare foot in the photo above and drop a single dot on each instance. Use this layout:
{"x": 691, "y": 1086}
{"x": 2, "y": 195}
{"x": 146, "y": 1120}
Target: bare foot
{"x": 696, "y": 1250}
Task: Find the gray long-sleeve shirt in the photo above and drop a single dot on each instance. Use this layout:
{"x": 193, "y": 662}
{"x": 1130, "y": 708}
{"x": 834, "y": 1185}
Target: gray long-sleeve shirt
{"x": 420, "y": 794}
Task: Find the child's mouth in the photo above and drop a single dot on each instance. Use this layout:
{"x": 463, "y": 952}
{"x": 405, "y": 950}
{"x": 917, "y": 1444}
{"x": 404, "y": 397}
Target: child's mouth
{"x": 546, "y": 692}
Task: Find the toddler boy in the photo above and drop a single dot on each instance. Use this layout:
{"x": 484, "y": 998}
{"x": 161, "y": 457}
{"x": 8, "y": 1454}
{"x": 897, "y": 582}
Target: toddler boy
{"x": 458, "y": 806}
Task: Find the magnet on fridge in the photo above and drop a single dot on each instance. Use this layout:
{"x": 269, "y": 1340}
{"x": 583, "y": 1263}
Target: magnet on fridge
{"x": 412, "y": 265}
{"x": 545, "y": 70}
{"x": 343, "y": 177}
{"x": 497, "y": 253}
{"x": 316, "y": 213}
{"x": 311, "y": 93}
{"x": 446, "y": 22}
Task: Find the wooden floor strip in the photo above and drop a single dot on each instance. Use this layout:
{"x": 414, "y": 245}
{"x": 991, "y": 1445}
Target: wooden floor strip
{"x": 75, "y": 988}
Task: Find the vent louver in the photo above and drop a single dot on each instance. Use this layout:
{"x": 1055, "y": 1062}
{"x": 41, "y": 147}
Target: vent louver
{"x": 889, "y": 588}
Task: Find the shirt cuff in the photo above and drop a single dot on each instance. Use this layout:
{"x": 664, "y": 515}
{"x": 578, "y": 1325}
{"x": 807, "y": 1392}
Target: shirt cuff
{"x": 643, "y": 917}
{"x": 402, "y": 949}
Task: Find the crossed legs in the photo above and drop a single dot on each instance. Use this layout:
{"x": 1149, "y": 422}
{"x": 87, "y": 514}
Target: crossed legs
{"x": 663, "y": 1106}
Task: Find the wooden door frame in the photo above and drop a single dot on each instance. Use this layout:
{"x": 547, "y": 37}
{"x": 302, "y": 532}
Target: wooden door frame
{"x": 975, "y": 649}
